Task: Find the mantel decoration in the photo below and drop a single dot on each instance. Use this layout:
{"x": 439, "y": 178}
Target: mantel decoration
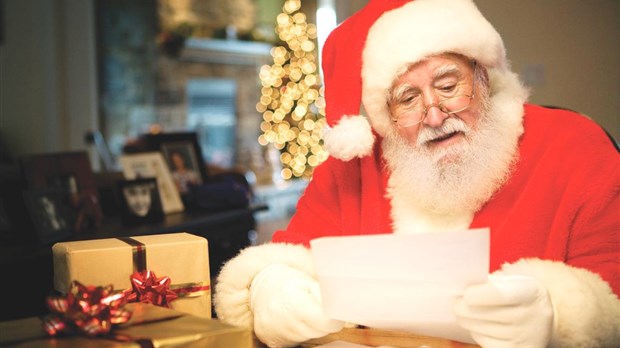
{"x": 292, "y": 102}
{"x": 172, "y": 40}
{"x": 213, "y": 19}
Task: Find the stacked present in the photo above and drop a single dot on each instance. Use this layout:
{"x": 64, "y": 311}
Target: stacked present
{"x": 131, "y": 291}
{"x": 149, "y": 326}
{"x": 170, "y": 270}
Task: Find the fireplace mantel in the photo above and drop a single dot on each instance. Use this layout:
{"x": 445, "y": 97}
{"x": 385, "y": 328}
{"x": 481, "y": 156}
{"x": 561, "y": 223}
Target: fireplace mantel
{"x": 226, "y": 51}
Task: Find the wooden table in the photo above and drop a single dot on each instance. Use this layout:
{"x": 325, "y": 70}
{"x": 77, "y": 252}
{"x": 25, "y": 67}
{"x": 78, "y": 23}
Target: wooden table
{"x": 22, "y": 329}
{"x": 376, "y": 337}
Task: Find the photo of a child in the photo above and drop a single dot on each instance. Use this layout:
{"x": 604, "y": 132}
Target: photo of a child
{"x": 140, "y": 201}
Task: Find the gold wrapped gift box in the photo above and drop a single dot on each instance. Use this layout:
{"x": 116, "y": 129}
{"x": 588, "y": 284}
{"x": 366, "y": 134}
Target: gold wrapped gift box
{"x": 149, "y": 326}
{"x": 182, "y": 257}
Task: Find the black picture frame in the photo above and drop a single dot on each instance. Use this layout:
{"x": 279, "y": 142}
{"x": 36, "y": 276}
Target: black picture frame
{"x": 52, "y": 219}
{"x": 153, "y": 165}
{"x": 71, "y": 174}
{"x": 140, "y": 202}
{"x": 188, "y": 140}
{"x": 184, "y": 164}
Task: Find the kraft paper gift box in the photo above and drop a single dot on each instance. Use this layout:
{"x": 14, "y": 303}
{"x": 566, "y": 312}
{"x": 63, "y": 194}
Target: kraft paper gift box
{"x": 150, "y": 326}
{"x": 182, "y": 257}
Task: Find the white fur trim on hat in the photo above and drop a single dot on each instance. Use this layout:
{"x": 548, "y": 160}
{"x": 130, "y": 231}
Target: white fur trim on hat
{"x": 418, "y": 30}
{"x": 587, "y": 312}
{"x": 232, "y": 290}
{"x": 351, "y": 137}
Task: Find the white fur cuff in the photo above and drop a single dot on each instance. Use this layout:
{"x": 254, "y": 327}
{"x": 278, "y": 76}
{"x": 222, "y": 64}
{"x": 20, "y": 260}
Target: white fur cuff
{"x": 351, "y": 137}
{"x": 232, "y": 290}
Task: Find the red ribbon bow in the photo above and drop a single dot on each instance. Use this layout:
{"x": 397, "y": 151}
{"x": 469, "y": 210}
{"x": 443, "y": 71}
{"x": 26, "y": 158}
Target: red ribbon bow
{"x": 147, "y": 288}
{"x": 90, "y": 310}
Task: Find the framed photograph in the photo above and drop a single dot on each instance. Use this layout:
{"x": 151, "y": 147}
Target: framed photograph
{"x": 183, "y": 163}
{"x": 52, "y": 219}
{"x": 71, "y": 174}
{"x": 139, "y": 201}
{"x": 188, "y": 145}
{"x": 152, "y": 165}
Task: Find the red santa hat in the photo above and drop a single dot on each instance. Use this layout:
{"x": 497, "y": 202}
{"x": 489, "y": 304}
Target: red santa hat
{"x": 363, "y": 56}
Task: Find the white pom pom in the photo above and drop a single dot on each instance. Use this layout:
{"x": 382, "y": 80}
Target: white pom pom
{"x": 351, "y": 137}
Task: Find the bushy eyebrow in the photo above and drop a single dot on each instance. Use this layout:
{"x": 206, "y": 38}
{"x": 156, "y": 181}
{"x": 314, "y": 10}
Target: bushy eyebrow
{"x": 446, "y": 70}
{"x": 398, "y": 92}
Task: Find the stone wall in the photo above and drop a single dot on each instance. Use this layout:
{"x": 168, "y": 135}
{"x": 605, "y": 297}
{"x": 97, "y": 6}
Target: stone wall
{"x": 143, "y": 84}
{"x": 173, "y": 73}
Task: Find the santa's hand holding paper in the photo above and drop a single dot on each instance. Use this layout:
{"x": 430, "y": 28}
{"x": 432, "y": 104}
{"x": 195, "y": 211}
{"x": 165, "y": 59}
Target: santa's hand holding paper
{"x": 507, "y": 311}
{"x": 287, "y": 309}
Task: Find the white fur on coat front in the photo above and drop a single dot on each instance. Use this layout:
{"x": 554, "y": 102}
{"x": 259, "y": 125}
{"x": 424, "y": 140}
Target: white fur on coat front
{"x": 587, "y": 312}
{"x": 232, "y": 291}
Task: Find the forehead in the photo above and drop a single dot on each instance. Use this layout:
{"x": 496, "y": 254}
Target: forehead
{"x": 434, "y": 67}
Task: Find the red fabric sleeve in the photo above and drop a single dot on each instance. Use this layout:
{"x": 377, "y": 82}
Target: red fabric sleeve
{"x": 594, "y": 239}
{"x": 317, "y": 210}
{"x": 343, "y": 198}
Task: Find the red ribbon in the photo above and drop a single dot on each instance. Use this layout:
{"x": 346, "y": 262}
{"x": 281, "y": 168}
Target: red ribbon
{"x": 147, "y": 288}
{"x": 191, "y": 290}
{"x": 89, "y": 310}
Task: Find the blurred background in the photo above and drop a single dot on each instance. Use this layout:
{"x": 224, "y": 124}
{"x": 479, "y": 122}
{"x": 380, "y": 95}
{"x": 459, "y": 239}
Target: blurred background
{"x": 72, "y": 66}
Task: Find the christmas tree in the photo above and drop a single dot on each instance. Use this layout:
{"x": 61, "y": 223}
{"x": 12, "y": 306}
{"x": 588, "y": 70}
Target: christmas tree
{"x": 292, "y": 102}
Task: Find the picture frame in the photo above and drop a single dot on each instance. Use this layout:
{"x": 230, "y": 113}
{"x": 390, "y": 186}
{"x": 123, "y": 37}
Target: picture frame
{"x": 52, "y": 218}
{"x": 188, "y": 141}
{"x": 183, "y": 163}
{"x": 139, "y": 200}
{"x": 71, "y": 174}
{"x": 45, "y": 170}
{"x": 153, "y": 165}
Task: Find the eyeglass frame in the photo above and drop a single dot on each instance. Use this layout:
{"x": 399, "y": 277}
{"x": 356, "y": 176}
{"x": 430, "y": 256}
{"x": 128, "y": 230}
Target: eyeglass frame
{"x": 439, "y": 105}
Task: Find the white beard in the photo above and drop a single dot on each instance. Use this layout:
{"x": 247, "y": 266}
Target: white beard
{"x": 441, "y": 189}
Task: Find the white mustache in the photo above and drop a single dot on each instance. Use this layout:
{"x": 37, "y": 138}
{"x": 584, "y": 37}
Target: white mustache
{"x": 450, "y": 125}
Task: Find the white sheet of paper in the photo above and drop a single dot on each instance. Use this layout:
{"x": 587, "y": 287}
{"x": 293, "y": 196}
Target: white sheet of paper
{"x": 401, "y": 282}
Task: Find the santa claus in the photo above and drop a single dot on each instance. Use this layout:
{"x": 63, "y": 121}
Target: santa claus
{"x": 446, "y": 141}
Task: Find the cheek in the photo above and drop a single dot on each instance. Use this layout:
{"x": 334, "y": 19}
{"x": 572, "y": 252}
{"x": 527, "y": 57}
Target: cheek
{"x": 472, "y": 114}
{"x": 409, "y": 134}
{"x": 471, "y": 118}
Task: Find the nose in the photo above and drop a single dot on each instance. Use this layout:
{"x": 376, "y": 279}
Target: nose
{"x": 434, "y": 116}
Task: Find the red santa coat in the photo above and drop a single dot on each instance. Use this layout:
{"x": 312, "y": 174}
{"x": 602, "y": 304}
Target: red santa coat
{"x": 557, "y": 219}
{"x": 561, "y": 203}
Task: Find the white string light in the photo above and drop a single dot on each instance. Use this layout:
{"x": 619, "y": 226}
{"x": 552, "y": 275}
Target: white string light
{"x": 292, "y": 102}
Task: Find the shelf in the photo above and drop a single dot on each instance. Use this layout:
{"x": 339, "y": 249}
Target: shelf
{"x": 226, "y": 51}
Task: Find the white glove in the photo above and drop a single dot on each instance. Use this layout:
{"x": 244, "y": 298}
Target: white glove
{"x": 286, "y": 303}
{"x": 507, "y": 311}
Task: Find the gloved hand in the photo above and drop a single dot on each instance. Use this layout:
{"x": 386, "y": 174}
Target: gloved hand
{"x": 286, "y": 303}
{"x": 507, "y": 311}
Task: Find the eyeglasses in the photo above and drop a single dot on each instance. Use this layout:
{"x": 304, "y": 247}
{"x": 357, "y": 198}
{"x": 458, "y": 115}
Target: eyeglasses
{"x": 450, "y": 106}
